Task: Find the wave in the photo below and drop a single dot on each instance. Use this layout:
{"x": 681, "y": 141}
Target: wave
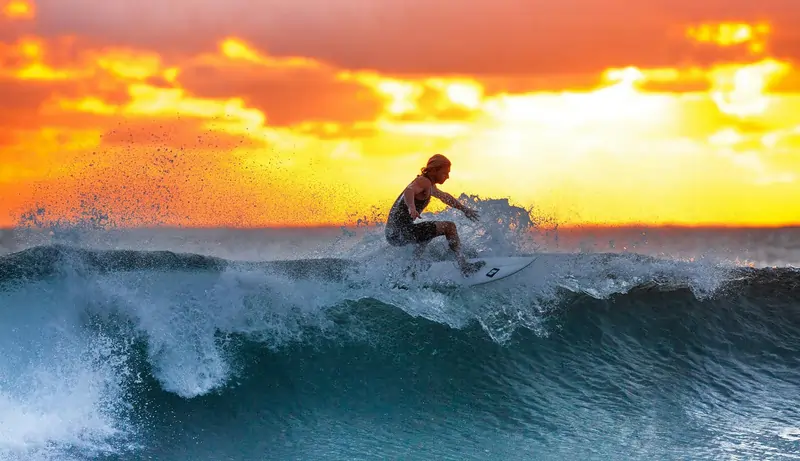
{"x": 623, "y": 272}
{"x": 179, "y": 304}
{"x": 45, "y": 261}
{"x": 115, "y": 352}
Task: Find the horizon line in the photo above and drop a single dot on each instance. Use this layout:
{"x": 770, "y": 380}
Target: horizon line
{"x": 719, "y": 226}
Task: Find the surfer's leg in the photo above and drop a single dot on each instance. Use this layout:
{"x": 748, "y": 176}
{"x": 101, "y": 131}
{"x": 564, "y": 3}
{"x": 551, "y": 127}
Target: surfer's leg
{"x": 449, "y": 230}
{"x": 423, "y": 233}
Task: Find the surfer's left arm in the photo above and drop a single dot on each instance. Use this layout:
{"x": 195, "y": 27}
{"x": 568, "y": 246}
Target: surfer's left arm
{"x": 449, "y": 200}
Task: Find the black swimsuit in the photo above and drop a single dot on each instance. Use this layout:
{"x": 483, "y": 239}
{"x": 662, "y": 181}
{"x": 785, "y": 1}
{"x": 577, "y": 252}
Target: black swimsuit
{"x": 401, "y": 229}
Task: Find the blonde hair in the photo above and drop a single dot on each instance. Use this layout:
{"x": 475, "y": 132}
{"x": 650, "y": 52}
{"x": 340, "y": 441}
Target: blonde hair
{"x": 434, "y": 163}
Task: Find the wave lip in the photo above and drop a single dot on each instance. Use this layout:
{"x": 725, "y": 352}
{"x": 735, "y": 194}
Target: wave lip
{"x": 44, "y": 261}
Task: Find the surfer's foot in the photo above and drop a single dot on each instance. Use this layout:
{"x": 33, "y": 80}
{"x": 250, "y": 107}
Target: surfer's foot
{"x": 470, "y": 268}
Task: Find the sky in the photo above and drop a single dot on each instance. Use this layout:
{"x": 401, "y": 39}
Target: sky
{"x": 311, "y": 112}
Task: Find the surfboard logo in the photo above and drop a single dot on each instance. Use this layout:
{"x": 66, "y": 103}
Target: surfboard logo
{"x": 492, "y": 272}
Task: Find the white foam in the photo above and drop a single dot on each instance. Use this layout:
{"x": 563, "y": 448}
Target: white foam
{"x": 60, "y": 390}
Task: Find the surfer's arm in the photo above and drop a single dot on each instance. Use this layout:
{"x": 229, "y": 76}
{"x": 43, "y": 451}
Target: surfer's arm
{"x": 449, "y": 200}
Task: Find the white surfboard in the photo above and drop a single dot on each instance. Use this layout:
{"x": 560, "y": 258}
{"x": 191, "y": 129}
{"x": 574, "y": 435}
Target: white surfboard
{"x": 496, "y": 268}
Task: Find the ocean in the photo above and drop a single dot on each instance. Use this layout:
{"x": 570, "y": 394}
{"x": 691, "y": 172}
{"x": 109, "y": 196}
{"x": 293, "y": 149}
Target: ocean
{"x": 313, "y": 344}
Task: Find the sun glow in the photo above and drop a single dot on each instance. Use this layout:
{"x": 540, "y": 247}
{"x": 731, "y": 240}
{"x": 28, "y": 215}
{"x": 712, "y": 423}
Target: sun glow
{"x": 249, "y": 134}
{"x": 739, "y": 90}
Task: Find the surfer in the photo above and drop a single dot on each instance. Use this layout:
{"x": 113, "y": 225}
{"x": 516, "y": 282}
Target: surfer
{"x": 401, "y": 228}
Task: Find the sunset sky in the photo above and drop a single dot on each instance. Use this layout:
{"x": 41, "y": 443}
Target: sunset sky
{"x": 312, "y": 112}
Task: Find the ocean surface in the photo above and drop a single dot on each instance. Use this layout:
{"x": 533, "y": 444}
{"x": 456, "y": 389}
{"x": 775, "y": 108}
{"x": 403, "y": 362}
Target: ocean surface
{"x": 313, "y": 344}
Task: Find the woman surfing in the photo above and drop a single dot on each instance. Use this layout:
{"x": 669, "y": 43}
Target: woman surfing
{"x": 401, "y": 228}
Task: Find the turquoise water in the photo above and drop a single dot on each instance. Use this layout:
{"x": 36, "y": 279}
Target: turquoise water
{"x": 245, "y": 345}
{"x": 140, "y": 355}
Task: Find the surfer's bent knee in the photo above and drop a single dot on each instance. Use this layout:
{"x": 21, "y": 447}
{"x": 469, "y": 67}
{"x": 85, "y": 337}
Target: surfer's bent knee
{"x": 446, "y": 228}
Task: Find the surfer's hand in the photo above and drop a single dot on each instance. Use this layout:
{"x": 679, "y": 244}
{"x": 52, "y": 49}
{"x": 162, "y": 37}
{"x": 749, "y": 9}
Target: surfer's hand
{"x": 414, "y": 214}
{"x": 471, "y": 214}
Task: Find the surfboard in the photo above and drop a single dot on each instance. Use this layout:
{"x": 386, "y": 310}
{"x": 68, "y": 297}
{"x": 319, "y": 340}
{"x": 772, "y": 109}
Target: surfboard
{"x": 496, "y": 268}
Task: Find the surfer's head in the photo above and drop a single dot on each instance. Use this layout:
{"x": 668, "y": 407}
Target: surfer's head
{"x": 437, "y": 169}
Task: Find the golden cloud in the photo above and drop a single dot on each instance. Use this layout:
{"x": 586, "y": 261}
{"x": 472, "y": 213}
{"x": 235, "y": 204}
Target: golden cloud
{"x": 18, "y": 9}
{"x": 726, "y": 34}
{"x": 236, "y": 134}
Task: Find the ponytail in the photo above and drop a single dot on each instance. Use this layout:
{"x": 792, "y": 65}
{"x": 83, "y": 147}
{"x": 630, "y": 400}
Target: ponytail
{"x": 434, "y": 163}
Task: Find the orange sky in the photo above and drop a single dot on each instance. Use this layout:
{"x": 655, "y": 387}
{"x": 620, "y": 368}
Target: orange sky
{"x": 312, "y": 112}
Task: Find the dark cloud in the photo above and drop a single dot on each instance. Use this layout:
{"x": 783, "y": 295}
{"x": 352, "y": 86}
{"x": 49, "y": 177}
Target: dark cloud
{"x": 21, "y": 100}
{"x": 440, "y": 36}
{"x": 286, "y": 95}
{"x": 11, "y": 29}
{"x": 21, "y": 108}
{"x": 28, "y": 104}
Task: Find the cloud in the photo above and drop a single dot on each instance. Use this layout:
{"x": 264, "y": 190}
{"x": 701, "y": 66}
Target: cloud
{"x": 17, "y": 10}
{"x": 287, "y": 94}
{"x": 392, "y": 36}
{"x": 330, "y": 131}
{"x": 21, "y": 101}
